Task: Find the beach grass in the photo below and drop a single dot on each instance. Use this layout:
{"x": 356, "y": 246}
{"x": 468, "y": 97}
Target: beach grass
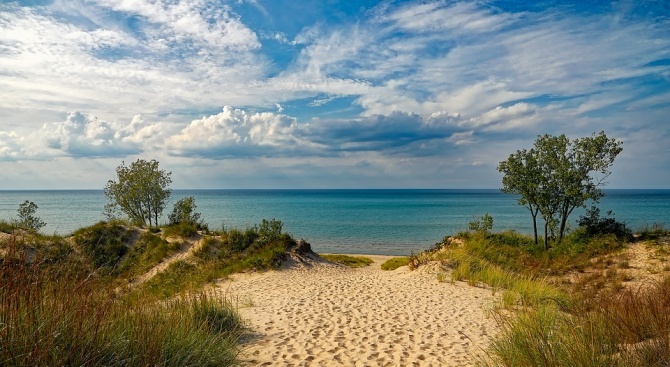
{"x": 548, "y": 321}
{"x": 395, "y": 262}
{"x": 54, "y": 314}
{"x": 347, "y": 260}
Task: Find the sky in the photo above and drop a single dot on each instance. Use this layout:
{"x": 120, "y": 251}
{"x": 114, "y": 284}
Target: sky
{"x": 326, "y": 93}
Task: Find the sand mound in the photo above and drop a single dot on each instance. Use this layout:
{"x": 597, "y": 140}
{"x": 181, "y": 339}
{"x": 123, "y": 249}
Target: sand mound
{"x": 321, "y": 314}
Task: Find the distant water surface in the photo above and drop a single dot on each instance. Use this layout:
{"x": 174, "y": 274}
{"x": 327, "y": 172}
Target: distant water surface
{"x": 393, "y": 222}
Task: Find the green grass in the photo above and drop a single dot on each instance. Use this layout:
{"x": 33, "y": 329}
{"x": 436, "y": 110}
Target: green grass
{"x": 350, "y": 261}
{"x": 52, "y": 314}
{"x": 395, "y": 262}
{"x": 595, "y": 322}
{"x": 147, "y": 252}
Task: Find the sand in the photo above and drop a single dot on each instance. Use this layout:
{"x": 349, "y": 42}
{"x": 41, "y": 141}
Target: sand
{"x": 329, "y": 315}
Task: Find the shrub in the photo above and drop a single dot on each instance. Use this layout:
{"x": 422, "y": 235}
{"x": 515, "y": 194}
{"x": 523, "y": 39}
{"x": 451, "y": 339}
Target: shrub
{"x": 27, "y": 219}
{"x": 484, "y": 224}
{"x": 183, "y": 211}
{"x": 595, "y": 225}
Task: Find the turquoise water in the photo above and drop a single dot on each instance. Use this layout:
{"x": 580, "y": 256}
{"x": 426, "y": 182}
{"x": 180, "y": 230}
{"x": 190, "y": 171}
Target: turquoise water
{"x": 392, "y": 222}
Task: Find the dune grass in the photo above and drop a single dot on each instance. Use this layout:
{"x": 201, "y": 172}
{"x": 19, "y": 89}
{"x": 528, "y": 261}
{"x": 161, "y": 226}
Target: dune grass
{"x": 350, "y": 261}
{"x": 53, "y": 314}
{"x": 395, "y": 262}
{"x": 545, "y": 322}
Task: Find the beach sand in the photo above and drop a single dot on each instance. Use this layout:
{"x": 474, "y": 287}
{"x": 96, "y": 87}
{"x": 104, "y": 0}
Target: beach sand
{"x": 321, "y": 314}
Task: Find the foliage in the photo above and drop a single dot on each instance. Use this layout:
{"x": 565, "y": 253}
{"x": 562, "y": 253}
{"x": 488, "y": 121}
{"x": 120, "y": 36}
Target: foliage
{"x": 484, "y": 224}
{"x": 595, "y": 225}
{"x": 59, "y": 316}
{"x": 183, "y": 212}
{"x": 350, "y": 261}
{"x": 7, "y": 226}
{"x": 557, "y": 175}
{"x": 256, "y": 248}
{"x": 141, "y": 192}
{"x": 26, "y": 217}
{"x": 395, "y": 262}
{"x": 104, "y": 243}
{"x": 147, "y": 252}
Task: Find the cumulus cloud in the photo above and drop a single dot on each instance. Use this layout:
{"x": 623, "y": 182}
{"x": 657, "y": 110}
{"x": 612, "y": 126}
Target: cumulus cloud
{"x": 236, "y": 133}
{"x": 10, "y": 146}
{"x": 82, "y": 135}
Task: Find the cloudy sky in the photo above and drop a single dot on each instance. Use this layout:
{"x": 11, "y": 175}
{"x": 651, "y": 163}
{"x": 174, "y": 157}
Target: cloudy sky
{"x": 326, "y": 93}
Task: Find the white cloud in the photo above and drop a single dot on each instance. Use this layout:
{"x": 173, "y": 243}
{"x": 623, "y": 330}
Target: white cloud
{"x": 82, "y": 135}
{"x": 234, "y": 132}
{"x": 10, "y": 146}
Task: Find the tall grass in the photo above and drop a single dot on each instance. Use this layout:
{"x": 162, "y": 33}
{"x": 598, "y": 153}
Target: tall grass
{"x": 52, "y": 316}
{"x": 631, "y": 328}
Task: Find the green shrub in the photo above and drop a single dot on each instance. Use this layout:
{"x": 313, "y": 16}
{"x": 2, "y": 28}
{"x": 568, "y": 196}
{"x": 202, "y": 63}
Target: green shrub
{"x": 104, "y": 243}
{"x": 350, "y": 261}
{"x": 27, "y": 219}
{"x": 395, "y": 262}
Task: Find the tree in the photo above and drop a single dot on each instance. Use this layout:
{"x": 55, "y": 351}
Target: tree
{"x": 183, "y": 212}
{"x": 558, "y": 175}
{"x": 141, "y": 191}
{"x": 27, "y": 219}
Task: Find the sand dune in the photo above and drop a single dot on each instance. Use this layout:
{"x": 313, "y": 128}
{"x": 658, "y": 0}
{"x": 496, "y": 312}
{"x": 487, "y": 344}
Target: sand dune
{"x": 326, "y": 315}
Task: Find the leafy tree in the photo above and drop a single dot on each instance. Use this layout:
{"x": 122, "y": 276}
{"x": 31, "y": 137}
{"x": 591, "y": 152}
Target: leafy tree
{"x": 141, "y": 192}
{"x": 183, "y": 212}
{"x": 27, "y": 219}
{"x": 558, "y": 175}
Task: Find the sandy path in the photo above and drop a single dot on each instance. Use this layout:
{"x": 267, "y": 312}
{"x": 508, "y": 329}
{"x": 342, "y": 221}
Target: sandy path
{"x": 328, "y": 315}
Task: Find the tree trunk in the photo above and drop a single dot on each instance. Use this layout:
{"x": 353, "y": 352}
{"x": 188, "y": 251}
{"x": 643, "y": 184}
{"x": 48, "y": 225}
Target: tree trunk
{"x": 535, "y": 227}
{"x": 546, "y": 235}
{"x": 564, "y": 218}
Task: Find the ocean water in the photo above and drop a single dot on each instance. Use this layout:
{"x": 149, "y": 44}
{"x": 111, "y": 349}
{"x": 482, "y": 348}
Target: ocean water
{"x": 393, "y": 222}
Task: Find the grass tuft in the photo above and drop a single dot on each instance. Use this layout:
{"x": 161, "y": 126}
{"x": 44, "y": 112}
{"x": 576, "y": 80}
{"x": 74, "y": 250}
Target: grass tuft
{"x": 395, "y": 262}
{"x": 350, "y": 261}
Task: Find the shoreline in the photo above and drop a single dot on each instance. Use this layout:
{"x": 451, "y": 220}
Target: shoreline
{"x": 323, "y": 314}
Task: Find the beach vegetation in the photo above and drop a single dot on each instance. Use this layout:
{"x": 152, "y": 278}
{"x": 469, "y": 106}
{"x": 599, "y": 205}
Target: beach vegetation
{"x": 557, "y": 176}
{"x": 140, "y": 191}
{"x": 395, "y": 262}
{"x": 104, "y": 243}
{"x": 347, "y": 260}
{"x": 55, "y": 312}
{"x": 484, "y": 224}
{"x": 184, "y": 220}
{"x": 27, "y": 219}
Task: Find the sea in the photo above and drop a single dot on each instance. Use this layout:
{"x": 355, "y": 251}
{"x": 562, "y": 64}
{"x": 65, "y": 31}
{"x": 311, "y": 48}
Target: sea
{"x": 389, "y": 222}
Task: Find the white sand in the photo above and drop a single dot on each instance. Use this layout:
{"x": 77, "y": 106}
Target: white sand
{"x": 326, "y": 315}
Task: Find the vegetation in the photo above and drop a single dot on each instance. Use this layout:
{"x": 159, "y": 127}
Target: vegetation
{"x": 556, "y": 176}
{"x": 546, "y": 318}
{"x": 54, "y": 312}
{"x": 27, "y": 219}
{"x": 350, "y": 261}
{"x": 483, "y": 224}
{"x": 141, "y": 192}
{"x": 395, "y": 262}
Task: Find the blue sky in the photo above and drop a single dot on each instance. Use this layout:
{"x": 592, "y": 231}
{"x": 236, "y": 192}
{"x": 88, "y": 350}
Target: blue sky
{"x": 326, "y": 94}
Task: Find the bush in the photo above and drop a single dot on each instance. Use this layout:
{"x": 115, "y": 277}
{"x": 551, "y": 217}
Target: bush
{"x": 595, "y": 225}
{"x": 183, "y": 211}
{"x": 483, "y": 225}
{"x": 27, "y": 219}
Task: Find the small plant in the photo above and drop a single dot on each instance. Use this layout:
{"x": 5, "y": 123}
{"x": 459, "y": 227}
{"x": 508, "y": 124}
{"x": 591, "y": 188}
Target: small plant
{"x": 350, "y": 261}
{"x": 27, "y": 219}
{"x": 395, "y": 262}
{"x": 482, "y": 225}
{"x": 596, "y": 225}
